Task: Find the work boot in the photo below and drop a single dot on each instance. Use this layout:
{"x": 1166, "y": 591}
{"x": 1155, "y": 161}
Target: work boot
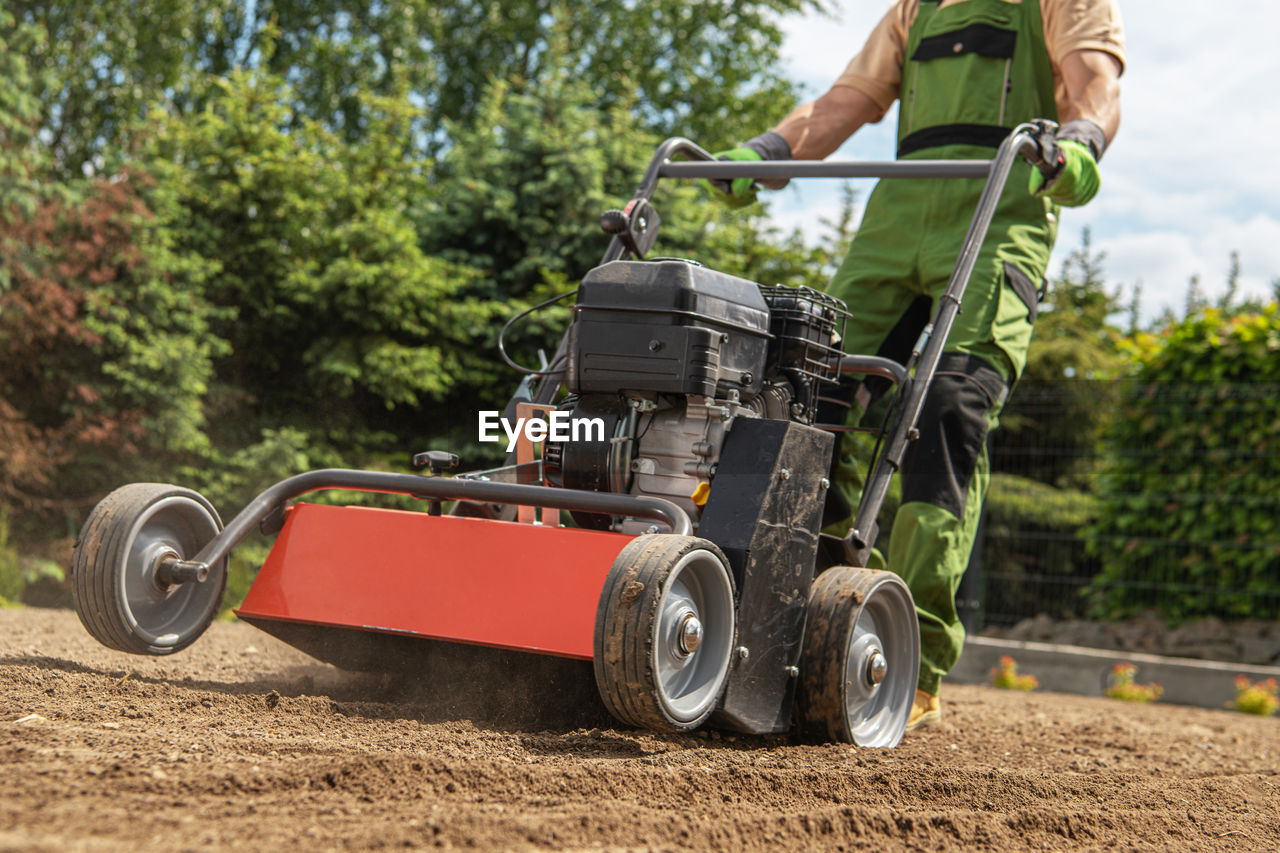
{"x": 925, "y": 711}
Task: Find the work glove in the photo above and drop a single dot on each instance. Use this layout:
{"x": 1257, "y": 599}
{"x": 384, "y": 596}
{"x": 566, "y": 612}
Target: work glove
{"x": 1076, "y": 181}
{"x": 741, "y": 192}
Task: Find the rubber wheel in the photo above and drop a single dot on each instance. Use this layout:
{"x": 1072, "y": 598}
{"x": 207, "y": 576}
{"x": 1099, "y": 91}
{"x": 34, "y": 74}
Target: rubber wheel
{"x": 113, "y": 568}
{"x": 665, "y": 632}
{"x": 861, "y": 658}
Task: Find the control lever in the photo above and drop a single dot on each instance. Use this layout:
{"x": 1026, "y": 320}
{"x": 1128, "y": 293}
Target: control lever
{"x": 438, "y": 461}
{"x": 636, "y": 225}
{"x": 1048, "y": 156}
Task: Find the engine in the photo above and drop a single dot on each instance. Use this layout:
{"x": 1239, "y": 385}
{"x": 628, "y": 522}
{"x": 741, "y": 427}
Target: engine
{"x": 669, "y": 354}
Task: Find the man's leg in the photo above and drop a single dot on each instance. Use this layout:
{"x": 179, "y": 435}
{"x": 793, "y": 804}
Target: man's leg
{"x": 944, "y": 482}
{"x": 946, "y": 471}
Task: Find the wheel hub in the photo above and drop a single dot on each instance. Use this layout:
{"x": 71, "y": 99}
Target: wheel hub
{"x": 155, "y": 558}
{"x": 877, "y": 667}
{"x": 689, "y": 634}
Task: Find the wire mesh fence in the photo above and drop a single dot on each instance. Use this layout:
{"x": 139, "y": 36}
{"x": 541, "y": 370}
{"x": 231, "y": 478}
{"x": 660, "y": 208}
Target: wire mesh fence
{"x": 1112, "y": 498}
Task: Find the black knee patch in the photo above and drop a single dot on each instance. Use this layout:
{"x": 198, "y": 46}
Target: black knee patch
{"x": 953, "y": 428}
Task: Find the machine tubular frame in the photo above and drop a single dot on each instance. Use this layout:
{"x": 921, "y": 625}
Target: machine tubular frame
{"x": 432, "y": 488}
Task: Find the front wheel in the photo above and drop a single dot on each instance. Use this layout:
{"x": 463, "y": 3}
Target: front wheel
{"x": 118, "y": 595}
{"x": 665, "y": 631}
{"x": 861, "y": 657}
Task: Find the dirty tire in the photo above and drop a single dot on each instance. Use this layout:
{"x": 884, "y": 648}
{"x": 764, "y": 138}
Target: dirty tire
{"x": 643, "y": 676}
{"x": 112, "y": 569}
{"x": 852, "y": 614}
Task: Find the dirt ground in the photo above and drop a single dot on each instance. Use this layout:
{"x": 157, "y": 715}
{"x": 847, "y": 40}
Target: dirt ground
{"x": 241, "y": 742}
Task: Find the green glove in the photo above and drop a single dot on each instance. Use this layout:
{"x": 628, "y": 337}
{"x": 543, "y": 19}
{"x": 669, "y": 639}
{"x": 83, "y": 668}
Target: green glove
{"x": 741, "y": 192}
{"x": 1077, "y": 181}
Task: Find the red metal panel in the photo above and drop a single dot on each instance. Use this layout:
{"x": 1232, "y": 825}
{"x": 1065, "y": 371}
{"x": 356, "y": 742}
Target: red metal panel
{"x": 493, "y": 583}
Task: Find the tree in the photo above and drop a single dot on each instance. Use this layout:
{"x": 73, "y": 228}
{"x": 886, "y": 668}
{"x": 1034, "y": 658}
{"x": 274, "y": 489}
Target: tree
{"x": 101, "y": 357}
{"x": 1074, "y": 336}
{"x": 708, "y": 70}
{"x": 518, "y": 197}
{"x": 103, "y": 346}
{"x": 332, "y": 315}
{"x": 100, "y": 65}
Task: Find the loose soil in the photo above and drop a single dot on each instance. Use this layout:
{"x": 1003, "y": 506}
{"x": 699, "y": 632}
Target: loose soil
{"x": 242, "y": 742}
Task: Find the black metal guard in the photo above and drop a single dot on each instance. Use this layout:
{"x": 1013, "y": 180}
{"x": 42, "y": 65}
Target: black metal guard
{"x": 805, "y": 323}
{"x": 431, "y": 488}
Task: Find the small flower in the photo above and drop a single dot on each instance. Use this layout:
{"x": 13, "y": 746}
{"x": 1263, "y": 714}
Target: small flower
{"x": 1122, "y": 685}
{"x": 1006, "y": 676}
{"x": 1260, "y": 698}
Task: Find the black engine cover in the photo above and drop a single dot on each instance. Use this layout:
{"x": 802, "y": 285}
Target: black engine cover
{"x": 667, "y": 326}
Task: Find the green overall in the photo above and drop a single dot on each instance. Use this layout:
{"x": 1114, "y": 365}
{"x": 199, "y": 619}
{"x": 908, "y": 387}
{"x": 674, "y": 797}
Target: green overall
{"x": 973, "y": 70}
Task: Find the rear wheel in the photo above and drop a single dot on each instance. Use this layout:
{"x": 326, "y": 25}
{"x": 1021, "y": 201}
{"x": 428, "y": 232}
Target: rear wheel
{"x": 128, "y": 536}
{"x": 861, "y": 657}
{"x": 665, "y": 630}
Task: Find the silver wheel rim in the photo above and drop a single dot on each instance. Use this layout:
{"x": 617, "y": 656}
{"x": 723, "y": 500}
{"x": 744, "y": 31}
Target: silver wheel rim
{"x": 160, "y": 615}
{"x": 884, "y": 637}
{"x": 693, "y": 636}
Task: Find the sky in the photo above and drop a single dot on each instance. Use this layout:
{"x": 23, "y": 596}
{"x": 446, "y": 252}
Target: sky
{"x": 1192, "y": 175}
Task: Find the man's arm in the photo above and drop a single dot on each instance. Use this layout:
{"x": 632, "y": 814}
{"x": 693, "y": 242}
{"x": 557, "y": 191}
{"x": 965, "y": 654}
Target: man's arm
{"x": 862, "y": 94}
{"x": 1092, "y": 82}
{"x": 1090, "y": 115}
{"x": 816, "y": 129}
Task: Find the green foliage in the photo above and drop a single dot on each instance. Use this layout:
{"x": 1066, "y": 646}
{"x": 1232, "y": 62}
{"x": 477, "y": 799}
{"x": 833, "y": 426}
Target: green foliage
{"x": 331, "y": 314}
{"x": 20, "y": 156}
{"x": 21, "y": 575}
{"x": 1031, "y": 533}
{"x": 1074, "y": 337}
{"x": 708, "y": 70}
{"x": 12, "y": 579}
{"x": 1189, "y": 522}
{"x": 100, "y": 65}
{"x": 243, "y": 566}
{"x": 104, "y": 361}
{"x": 1023, "y": 502}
